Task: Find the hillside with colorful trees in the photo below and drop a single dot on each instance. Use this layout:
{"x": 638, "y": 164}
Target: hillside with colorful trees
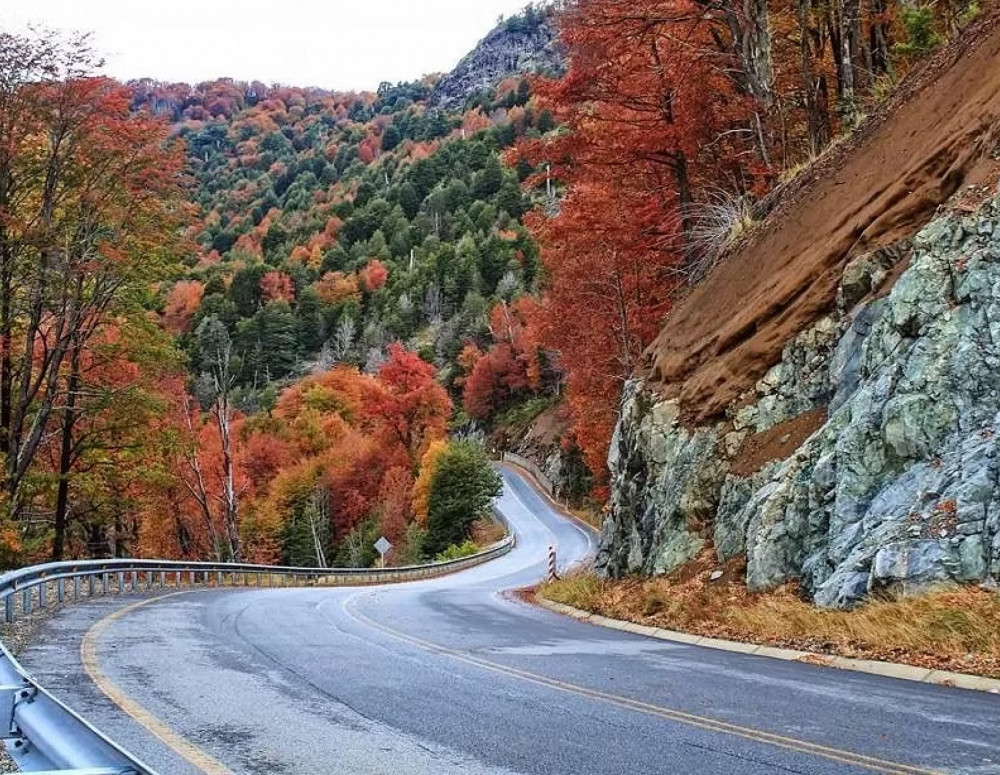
{"x": 260, "y": 322}
{"x": 241, "y": 342}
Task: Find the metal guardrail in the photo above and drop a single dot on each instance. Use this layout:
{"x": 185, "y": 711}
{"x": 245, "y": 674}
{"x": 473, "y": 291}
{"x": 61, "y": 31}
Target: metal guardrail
{"x": 44, "y": 735}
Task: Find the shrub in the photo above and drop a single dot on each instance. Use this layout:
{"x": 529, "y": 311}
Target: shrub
{"x": 457, "y": 551}
{"x": 921, "y": 37}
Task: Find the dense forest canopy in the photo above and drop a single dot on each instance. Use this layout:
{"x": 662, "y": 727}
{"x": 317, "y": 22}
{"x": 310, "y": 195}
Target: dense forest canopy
{"x": 243, "y": 321}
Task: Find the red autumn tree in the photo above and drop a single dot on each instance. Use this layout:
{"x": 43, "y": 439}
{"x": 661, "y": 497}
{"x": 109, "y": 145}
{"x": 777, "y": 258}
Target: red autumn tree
{"x": 394, "y": 502}
{"x": 277, "y": 286}
{"x": 373, "y": 276}
{"x": 510, "y": 367}
{"x": 652, "y": 116}
{"x": 182, "y": 302}
{"x": 414, "y": 408}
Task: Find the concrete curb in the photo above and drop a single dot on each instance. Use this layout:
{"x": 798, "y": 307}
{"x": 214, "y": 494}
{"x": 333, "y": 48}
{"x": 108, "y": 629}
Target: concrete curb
{"x": 873, "y": 667}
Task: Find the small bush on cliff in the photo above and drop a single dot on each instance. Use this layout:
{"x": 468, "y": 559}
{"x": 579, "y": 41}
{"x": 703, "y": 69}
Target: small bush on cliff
{"x": 921, "y": 37}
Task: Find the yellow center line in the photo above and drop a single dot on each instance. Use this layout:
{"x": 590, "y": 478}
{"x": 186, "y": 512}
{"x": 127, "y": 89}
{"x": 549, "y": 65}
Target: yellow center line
{"x": 701, "y": 722}
{"x": 155, "y": 726}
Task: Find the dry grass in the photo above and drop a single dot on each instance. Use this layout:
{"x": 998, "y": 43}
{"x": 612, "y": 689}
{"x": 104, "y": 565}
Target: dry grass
{"x": 486, "y": 532}
{"x": 950, "y": 628}
{"x": 716, "y": 225}
{"x": 589, "y": 514}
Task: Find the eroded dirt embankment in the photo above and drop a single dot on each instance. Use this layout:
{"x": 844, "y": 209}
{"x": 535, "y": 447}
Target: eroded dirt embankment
{"x": 937, "y": 136}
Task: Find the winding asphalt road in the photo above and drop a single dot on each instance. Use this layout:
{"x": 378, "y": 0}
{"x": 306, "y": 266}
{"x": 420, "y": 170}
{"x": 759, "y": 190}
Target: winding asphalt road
{"x": 454, "y": 676}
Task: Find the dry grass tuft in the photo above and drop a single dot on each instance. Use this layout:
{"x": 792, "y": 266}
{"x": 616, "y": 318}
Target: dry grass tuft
{"x": 716, "y": 224}
{"x": 949, "y": 628}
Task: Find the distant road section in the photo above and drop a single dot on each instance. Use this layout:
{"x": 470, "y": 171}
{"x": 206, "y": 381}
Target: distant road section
{"x": 455, "y": 675}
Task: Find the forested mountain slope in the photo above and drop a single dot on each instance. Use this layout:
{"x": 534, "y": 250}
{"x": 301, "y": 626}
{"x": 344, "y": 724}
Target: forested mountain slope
{"x": 342, "y": 263}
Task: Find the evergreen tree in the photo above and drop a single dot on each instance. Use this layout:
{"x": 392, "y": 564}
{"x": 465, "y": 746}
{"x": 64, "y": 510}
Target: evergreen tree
{"x": 463, "y": 486}
{"x": 391, "y": 138}
{"x": 268, "y": 343}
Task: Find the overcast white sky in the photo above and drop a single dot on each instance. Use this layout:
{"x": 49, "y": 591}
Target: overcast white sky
{"x": 334, "y": 44}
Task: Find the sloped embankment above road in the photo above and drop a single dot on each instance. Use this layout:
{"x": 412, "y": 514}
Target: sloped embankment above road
{"x": 935, "y": 137}
{"x": 840, "y": 429}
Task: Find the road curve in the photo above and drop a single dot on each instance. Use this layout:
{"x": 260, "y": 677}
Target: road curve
{"x": 452, "y": 675}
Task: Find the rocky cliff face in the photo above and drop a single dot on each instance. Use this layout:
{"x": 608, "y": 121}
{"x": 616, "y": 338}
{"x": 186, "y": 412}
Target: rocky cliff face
{"x": 522, "y": 45}
{"x": 865, "y": 459}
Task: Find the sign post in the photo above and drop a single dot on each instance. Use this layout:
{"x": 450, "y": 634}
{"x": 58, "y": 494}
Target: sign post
{"x": 382, "y": 546}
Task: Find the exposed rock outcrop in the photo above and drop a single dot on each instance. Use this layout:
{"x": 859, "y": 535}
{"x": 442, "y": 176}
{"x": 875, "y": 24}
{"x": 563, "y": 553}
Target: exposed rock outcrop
{"x": 895, "y": 484}
{"x": 521, "y": 45}
{"x": 539, "y": 447}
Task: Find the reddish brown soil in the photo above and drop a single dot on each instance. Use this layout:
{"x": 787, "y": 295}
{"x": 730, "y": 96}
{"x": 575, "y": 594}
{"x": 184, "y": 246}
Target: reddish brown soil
{"x": 776, "y": 443}
{"x": 933, "y": 138}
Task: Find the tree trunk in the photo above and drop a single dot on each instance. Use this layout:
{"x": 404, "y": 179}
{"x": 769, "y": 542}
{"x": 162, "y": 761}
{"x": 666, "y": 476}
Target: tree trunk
{"x": 199, "y": 491}
{"x": 880, "y": 41}
{"x": 230, "y": 503}
{"x": 853, "y": 53}
{"x": 817, "y": 123}
{"x": 754, "y": 49}
{"x": 66, "y": 458}
{"x": 6, "y": 343}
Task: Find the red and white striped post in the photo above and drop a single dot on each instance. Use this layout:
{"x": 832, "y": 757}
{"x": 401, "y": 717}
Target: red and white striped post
{"x": 552, "y": 564}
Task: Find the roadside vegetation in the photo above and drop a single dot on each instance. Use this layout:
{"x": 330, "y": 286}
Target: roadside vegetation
{"x": 948, "y": 628}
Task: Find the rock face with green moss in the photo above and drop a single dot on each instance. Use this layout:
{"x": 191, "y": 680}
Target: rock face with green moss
{"x": 897, "y": 488}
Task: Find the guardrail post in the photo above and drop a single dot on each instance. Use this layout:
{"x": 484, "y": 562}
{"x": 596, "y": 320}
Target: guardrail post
{"x": 26, "y": 601}
{"x": 121, "y": 582}
{"x": 8, "y": 607}
{"x": 76, "y": 587}
{"x": 218, "y": 578}
{"x": 43, "y": 593}
{"x": 60, "y": 590}
{"x": 192, "y": 579}
{"x": 163, "y": 580}
{"x": 135, "y": 581}
{"x": 149, "y": 580}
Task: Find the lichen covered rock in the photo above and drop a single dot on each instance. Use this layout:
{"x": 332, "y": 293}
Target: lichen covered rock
{"x": 898, "y": 488}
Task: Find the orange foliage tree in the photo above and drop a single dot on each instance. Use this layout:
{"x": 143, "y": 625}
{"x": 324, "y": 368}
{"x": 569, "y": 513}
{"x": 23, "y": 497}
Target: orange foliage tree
{"x": 373, "y": 276}
{"x": 413, "y": 406}
{"x": 277, "y": 286}
{"x": 91, "y": 207}
{"x": 652, "y": 116}
{"x": 510, "y": 367}
{"x": 182, "y": 302}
